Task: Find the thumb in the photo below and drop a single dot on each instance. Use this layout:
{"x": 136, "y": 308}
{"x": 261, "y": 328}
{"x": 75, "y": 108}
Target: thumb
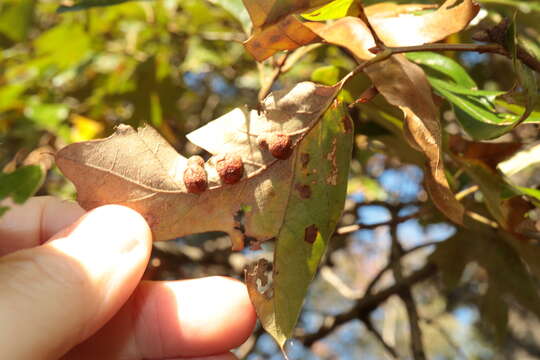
{"x": 56, "y": 295}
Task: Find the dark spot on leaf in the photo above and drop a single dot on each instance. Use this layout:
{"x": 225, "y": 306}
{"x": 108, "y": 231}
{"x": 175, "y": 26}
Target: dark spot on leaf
{"x": 310, "y": 234}
{"x": 347, "y": 123}
{"x": 256, "y": 44}
{"x": 303, "y": 190}
{"x": 275, "y": 38}
{"x": 304, "y": 159}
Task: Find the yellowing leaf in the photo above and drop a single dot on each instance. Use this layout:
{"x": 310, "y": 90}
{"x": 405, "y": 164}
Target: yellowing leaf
{"x": 84, "y": 128}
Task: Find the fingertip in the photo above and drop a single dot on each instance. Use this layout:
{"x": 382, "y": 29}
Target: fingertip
{"x": 192, "y": 317}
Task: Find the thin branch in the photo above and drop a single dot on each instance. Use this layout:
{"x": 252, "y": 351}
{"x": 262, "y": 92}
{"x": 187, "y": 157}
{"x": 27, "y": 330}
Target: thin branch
{"x": 417, "y": 346}
{"x": 355, "y": 227}
{"x": 367, "y": 304}
{"x": 442, "y": 331}
{"x": 369, "y": 325}
{"x": 375, "y": 280}
{"x": 481, "y": 48}
{"x": 330, "y": 276}
{"x": 466, "y": 192}
{"x": 268, "y": 83}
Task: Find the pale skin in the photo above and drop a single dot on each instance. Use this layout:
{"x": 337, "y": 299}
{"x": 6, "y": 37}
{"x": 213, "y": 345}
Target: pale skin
{"x": 70, "y": 289}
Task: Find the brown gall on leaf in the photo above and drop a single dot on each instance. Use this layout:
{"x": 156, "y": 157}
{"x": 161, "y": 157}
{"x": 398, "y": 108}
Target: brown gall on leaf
{"x": 303, "y": 190}
{"x": 279, "y": 145}
{"x": 230, "y": 168}
{"x": 195, "y": 178}
{"x": 310, "y": 234}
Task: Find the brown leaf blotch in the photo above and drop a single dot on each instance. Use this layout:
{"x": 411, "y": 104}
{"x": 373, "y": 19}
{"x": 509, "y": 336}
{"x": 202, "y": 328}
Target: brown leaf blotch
{"x": 230, "y": 168}
{"x": 310, "y": 234}
{"x": 303, "y": 190}
{"x": 304, "y": 159}
{"x": 195, "y": 179}
{"x": 347, "y": 123}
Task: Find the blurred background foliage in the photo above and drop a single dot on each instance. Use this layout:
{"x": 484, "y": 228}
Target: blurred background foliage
{"x": 178, "y": 64}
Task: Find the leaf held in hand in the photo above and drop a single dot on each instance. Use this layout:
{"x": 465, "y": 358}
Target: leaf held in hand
{"x": 139, "y": 169}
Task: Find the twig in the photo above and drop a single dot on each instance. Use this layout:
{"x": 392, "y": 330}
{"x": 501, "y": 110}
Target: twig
{"x": 490, "y": 48}
{"x": 375, "y": 280}
{"x": 369, "y": 325}
{"x": 355, "y": 227}
{"x": 417, "y": 346}
{"x": 330, "y": 276}
{"x": 446, "y": 336}
{"x": 268, "y": 83}
{"x": 466, "y": 192}
{"x": 367, "y": 304}
{"x": 366, "y": 21}
{"x": 283, "y": 64}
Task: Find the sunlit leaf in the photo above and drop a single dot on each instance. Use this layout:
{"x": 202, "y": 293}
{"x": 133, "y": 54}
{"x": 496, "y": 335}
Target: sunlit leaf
{"x": 334, "y": 10}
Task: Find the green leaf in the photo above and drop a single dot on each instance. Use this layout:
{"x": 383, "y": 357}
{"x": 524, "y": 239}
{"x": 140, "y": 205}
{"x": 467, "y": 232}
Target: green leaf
{"x": 308, "y": 224}
{"x": 47, "y": 116}
{"x": 21, "y": 183}
{"x": 443, "y": 65}
{"x": 475, "y": 110}
{"x": 334, "y": 10}
{"x": 86, "y": 4}
{"x": 15, "y": 21}
{"x": 331, "y": 75}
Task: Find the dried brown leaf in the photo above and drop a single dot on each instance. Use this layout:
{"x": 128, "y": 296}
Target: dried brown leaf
{"x": 267, "y": 12}
{"x": 288, "y": 34}
{"x": 393, "y": 26}
{"x": 405, "y": 85}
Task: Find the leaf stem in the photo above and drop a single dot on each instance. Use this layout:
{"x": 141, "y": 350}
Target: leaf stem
{"x": 482, "y": 48}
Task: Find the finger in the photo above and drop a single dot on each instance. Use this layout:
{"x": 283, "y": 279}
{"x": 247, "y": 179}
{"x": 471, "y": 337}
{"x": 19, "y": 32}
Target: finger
{"x": 35, "y": 221}
{"x": 172, "y": 319}
{"x": 227, "y": 356}
{"x": 58, "y": 294}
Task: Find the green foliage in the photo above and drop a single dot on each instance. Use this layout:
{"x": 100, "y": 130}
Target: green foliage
{"x": 20, "y": 184}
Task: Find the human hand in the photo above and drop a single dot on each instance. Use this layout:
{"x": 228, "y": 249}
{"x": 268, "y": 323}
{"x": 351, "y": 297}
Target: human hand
{"x": 69, "y": 288}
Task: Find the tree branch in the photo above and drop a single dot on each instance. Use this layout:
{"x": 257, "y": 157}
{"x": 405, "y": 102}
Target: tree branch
{"x": 367, "y": 304}
{"x": 417, "y": 345}
{"x": 369, "y": 325}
